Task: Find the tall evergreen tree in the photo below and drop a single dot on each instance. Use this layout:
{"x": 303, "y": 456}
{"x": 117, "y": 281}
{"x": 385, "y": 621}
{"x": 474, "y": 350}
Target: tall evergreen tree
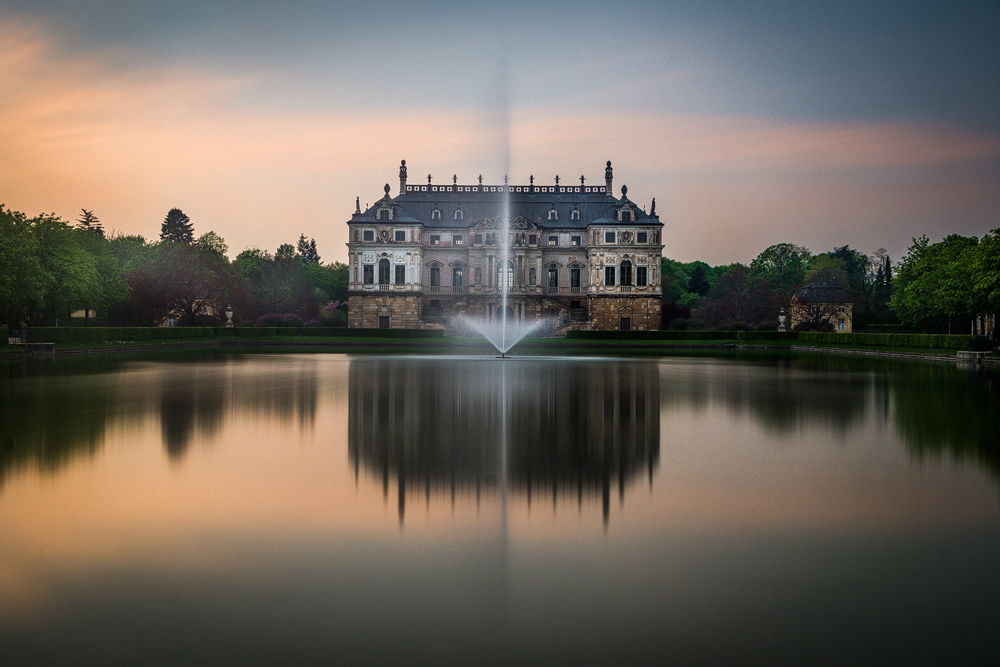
{"x": 90, "y": 222}
{"x": 307, "y": 250}
{"x": 177, "y": 227}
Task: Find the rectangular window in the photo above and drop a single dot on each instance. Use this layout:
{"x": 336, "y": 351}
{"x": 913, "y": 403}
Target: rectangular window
{"x": 609, "y": 275}
{"x": 435, "y": 276}
{"x": 841, "y": 325}
{"x": 553, "y": 240}
{"x": 553, "y": 278}
{"x": 642, "y": 237}
{"x": 400, "y": 274}
{"x": 383, "y": 321}
{"x": 574, "y": 240}
{"x": 478, "y": 239}
{"x": 457, "y": 279}
{"x": 400, "y": 234}
{"x": 383, "y": 214}
{"x": 640, "y": 276}
{"x": 625, "y": 275}
{"x": 435, "y": 239}
{"x": 456, "y": 240}
{"x": 625, "y": 324}
{"x": 609, "y": 237}
{"x": 574, "y": 279}
{"x": 369, "y": 235}
{"x": 369, "y": 274}
{"x": 532, "y": 239}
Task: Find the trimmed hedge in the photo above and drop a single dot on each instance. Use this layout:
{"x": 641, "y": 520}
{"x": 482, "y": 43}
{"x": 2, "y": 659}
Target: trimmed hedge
{"x": 747, "y": 336}
{"x": 101, "y": 334}
{"x": 941, "y": 341}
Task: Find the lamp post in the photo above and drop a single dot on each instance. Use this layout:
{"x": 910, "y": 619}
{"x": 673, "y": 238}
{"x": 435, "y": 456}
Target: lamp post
{"x": 781, "y": 320}
{"x": 229, "y": 317}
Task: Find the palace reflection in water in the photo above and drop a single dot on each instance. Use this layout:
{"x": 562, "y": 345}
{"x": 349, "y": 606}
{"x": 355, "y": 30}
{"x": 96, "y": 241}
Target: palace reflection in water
{"x": 540, "y": 427}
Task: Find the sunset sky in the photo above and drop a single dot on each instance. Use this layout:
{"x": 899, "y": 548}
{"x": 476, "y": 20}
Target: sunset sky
{"x": 821, "y": 124}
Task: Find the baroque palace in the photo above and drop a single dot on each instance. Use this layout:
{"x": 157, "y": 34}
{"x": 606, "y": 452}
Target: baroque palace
{"x": 579, "y": 257}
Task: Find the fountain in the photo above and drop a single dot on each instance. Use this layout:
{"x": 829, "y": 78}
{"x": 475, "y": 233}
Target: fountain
{"x": 504, "y": 330}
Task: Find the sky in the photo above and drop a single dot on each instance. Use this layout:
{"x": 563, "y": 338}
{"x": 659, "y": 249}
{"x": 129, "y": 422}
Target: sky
{"x": 819, "y": 124}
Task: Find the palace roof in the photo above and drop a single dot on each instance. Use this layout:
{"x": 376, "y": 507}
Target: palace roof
{"x": 435, "y": 206}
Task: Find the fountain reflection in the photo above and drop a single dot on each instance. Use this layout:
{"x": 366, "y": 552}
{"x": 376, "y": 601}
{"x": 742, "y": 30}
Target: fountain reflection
{"x": 573, "y": 428}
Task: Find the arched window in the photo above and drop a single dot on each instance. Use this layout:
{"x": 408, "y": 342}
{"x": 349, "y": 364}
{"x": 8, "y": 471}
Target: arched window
{"x": 505, "y": 275}
{"x": 625, "y": 276}
{"x": 383, "y": 272}
{"x": 436, "y": 214}
{"x": 574, "y": 214}
{"x": 553, "y": 214}
{"x": 459, "y": 214}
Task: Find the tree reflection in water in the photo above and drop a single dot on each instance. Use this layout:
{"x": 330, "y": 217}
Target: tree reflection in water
{"x": 574, "y": 427}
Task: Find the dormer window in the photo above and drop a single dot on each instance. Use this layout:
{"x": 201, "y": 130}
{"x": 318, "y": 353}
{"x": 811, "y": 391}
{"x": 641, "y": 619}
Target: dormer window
{"x": 626, "y": 216}
{"x": 574, "y": 214}
{"x": 553, "y": 214}
{"x": 436, "y": 214}
{"x": 459, "y": 214}
{"x": 384, "y": 214}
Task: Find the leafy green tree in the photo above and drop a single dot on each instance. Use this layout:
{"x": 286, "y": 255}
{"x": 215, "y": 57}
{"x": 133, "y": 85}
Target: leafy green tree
{"x": 934, "y": 284}
{"x": 783, "y": 266}
{"x": 277, "y": 284}
{"x": 986, "y": 273}
{"x": 23, "y": 280}
{"x": 177, "y": 227}
{"x": 212, "y": 242}
{"x": 131, "y": 250}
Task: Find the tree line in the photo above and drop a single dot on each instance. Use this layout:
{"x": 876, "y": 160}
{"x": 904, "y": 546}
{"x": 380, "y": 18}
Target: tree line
{"x": 50, "y": 268}
{"x": 936, "y": 287}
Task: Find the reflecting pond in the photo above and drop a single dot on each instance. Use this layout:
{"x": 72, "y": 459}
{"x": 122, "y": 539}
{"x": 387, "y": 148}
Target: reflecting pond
{"x": 259, "y": 509}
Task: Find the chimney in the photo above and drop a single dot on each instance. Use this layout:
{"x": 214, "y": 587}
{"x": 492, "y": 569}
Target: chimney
{"x": 609, "y": 177}
{"x": 402, "y": 177}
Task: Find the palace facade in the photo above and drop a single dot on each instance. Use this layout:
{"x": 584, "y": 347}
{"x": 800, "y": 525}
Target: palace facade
{"x": 579, "y": 257}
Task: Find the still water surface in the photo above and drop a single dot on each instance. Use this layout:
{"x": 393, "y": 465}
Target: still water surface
{"x": 226, "y": 509}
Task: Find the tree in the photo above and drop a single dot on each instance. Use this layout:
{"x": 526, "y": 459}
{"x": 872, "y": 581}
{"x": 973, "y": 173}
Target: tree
{"x": 698, "y": 281}
{"x": 739, "y": 296}
{"x": 212, "y": 242}
{"x": 177, "y": 227}
{"x": 935, "y": 282}
{"x": 90, "y": 222}
{"x": 986, "y": 272}
{"x": 783, "y": 266}
{"x": 307, "y": 250}
{"x": 183, "y": 282}
{"x": 277, "y": 284}
{"x": 23, "y": 279}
